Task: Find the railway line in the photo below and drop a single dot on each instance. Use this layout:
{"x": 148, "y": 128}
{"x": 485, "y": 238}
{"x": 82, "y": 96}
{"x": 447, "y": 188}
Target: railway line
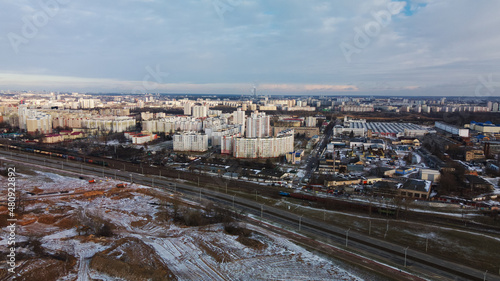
{"x": 376, "y": 249}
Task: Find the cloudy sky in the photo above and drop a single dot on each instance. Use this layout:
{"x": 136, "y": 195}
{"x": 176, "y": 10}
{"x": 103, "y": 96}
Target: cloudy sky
{"x": 371, "y": 47}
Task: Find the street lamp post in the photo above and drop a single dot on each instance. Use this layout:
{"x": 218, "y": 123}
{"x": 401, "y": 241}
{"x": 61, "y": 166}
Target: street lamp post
{"x": 347, "y": 236}
{"x": 406, "y": 251}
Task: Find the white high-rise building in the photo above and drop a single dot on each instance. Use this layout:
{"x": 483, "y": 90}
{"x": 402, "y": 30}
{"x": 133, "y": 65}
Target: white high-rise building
{"x": 200, "y": 111}
{"x": 239, "y": 117}
{"x": 39, "y": 123}
{"x": 187, "y": 108}
{"x": 115, "y": 124}
{"x": 310, "y": 121}
{"x": 191, "y": 141}
{"x": 495, "y": 107}
{"x": 258, "y": 125}
{"x": 86, "y": 103}
{"x": 264, "y": 147}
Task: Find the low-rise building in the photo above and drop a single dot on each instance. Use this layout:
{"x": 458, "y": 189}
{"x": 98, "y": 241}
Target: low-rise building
{"x": 474, "y": 154}
{"x": 430, "y": 174}
{"x": 294, "y": 157}
{"x": 418, "y": 189}
{"x": 53, "y": 138}
{"x": 477, "y": 183}
{"x": 140, "y": 138}
{"x": 341, "y": 181}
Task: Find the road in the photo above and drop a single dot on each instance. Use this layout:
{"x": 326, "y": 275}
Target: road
{"x": 313, "y": 158}
{"x": 390, "y": 253}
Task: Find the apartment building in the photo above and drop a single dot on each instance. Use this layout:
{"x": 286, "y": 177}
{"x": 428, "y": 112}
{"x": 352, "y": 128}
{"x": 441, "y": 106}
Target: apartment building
{"x": 310, "y": 121}
{"x": 200, "y": 111}
{"x": 264, "y": 147}
{"x": 115, "y": 124}
{"x": 191, "y": 141}
{"x": 258, "y": 125}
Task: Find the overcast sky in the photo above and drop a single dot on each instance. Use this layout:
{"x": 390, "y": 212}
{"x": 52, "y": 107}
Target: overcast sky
{"x": 372, "y": 47}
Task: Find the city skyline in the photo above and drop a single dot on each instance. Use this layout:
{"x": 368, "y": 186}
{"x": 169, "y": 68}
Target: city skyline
{"x": 396, "y": 48}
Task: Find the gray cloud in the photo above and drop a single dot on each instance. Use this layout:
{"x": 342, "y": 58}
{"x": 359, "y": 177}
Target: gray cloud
{"x": 439, "y": 48}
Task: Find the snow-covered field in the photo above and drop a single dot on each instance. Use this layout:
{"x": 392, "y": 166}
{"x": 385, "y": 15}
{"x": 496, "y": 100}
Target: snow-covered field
{"x": 190, "y": 253}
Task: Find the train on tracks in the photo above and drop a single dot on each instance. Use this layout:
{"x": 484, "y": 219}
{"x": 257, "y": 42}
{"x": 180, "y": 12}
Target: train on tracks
{"x": 53, "y": 154}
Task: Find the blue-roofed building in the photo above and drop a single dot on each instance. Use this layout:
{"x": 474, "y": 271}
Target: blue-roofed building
{"x": 485, "y": 127}
{"x": 295, "y": 157}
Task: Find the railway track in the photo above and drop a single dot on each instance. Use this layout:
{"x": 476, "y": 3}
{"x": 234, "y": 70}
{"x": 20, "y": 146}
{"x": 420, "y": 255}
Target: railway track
{"x": 379, "y": 249}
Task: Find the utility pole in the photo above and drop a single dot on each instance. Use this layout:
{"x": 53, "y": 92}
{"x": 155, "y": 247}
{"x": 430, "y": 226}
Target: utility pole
{"x": 300, "y": 222}
{"x": 347, "y": 236}
{"x": 426, "y": 243}
{"x": 198, "y": 181}
{"x": 200, "y": 193}
{"x": 233, "y": 201}
{"x": 406, "y": 250}
{"x": 370, "y": 227}
{"x": 255, "y": 195}
{"x": 261, "y": 210}
{"x": 226, "y": 187}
